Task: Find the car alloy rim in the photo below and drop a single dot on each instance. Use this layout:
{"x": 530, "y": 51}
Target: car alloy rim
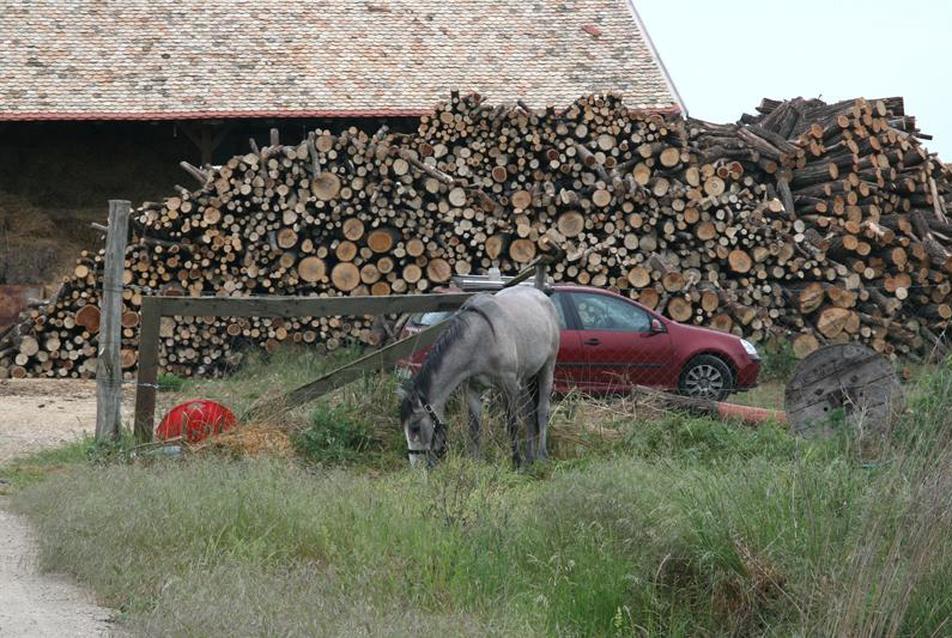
{"x": 704, "y": 380}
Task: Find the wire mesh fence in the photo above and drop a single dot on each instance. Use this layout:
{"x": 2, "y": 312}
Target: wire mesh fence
{"x": 616, "y": 360}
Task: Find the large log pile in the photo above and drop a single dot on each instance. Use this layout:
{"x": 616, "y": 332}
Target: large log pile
{"x": 814, "y": 221}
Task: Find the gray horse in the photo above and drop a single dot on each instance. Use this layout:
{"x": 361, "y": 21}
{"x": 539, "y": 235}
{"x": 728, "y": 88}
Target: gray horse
{"x": 508, "y": 340}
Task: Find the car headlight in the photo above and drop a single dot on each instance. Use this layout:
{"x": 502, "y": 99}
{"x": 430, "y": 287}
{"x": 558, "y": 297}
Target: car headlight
{"x": 750, "y": 349}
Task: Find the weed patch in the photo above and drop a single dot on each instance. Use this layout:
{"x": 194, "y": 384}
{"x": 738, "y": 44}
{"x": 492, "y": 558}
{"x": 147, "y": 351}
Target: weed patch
{"x": 169, "y": 382}
{"x": 335, "y": 435}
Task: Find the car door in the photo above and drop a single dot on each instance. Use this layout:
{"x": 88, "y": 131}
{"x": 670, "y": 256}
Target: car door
{"x": 571, "y": 359}
{"x": 618, "y": 345}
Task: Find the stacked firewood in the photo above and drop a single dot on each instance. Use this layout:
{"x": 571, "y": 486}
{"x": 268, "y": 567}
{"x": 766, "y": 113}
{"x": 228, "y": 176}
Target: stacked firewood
{"x": 872, "y": 200}
{"x": 822, "y": 223}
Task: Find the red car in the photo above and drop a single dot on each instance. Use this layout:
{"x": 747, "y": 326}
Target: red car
{"x": 611, "y": 343}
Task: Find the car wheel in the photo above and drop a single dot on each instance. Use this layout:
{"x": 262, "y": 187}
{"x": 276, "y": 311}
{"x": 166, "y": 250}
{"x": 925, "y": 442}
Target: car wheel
{"x": 706, "y": 377}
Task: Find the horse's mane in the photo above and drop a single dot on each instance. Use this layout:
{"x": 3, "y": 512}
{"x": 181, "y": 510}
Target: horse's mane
{"x": 422, "y": 383}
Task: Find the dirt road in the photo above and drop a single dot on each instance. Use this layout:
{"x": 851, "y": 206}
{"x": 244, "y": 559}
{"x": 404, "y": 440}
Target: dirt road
{"x": 39, "y": 413}
{"x": 35, "y": 414}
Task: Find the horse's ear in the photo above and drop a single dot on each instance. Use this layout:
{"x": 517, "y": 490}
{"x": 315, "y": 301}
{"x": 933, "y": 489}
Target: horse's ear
{"x": 403, "y": 389}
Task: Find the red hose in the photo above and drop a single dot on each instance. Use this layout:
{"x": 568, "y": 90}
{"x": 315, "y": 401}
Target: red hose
{"x": 750, "y": 414}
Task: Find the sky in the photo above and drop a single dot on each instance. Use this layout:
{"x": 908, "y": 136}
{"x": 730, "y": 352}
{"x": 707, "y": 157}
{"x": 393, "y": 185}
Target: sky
{"x": 725, "y": 56}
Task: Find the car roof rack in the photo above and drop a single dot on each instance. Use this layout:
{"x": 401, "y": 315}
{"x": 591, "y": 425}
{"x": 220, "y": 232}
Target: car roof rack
{"x": 492, "y": 281}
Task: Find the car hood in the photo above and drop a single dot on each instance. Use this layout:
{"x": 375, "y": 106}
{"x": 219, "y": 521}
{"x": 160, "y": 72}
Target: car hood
{"x": 680, "y": 329}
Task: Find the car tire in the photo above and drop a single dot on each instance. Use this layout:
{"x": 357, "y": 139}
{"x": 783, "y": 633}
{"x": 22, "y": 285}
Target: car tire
{"x": 706, "y": 377}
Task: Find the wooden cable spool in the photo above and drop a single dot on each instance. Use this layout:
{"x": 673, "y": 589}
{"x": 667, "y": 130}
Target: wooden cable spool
{"x": 843, "y": 381}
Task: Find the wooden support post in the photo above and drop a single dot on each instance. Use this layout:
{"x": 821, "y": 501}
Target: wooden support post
{"x": 203, "y": 136}
{"x": 540, "y": 269}
{"x": 108, "y": 363}
{"x": 205, "y": 146}
{"x": 147, "y": 381}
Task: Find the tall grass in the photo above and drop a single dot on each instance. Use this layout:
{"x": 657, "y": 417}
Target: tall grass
{"x": 673, "y": 527}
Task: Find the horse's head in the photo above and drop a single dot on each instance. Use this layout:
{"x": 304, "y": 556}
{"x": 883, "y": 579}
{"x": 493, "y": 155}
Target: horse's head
{"x": 424, "y": 429}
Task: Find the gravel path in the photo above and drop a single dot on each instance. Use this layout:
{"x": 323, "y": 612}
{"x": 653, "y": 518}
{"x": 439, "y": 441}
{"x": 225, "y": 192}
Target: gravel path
{"x": 35, "y": 604}
{"x": 35, "y": 414}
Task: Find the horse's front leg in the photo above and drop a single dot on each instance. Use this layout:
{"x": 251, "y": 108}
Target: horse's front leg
{"x": 474, "y": 401}
{"x": 544, "y": 383}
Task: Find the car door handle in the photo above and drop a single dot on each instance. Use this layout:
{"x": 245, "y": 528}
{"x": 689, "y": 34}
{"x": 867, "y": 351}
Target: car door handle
{"x": 592, "y": 342}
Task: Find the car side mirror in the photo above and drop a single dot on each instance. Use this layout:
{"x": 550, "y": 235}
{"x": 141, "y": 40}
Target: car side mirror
{"x": 657, "y": 326}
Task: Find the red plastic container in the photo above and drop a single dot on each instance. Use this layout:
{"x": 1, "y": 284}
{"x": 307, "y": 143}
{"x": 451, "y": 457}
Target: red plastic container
{"x": 195, "y": 420}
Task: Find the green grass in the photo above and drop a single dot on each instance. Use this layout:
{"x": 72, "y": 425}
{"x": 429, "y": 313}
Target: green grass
{"x": 35, "y": 467}
{"x": 671, "y": 526}
{"x": 341, "y": 434}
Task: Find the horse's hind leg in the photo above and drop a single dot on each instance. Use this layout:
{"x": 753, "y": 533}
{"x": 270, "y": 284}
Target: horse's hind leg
{"x": 543, "y": 387}
{"x": 513, "y": 394}
{"x": 475, "y": 402}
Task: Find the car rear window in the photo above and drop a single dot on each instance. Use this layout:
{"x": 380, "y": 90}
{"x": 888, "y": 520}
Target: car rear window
{"x": 560, "y": 309}
{"x": 429, "y": 318}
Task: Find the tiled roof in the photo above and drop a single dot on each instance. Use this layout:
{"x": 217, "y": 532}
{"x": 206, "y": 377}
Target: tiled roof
{"x": 163, "y": 59}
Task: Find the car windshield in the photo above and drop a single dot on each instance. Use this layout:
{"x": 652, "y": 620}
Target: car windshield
{"x": 429, "y": 318}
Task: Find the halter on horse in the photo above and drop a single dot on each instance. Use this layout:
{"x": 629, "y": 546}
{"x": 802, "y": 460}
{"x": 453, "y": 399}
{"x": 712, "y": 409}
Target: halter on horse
{"x": 439, "y": 431}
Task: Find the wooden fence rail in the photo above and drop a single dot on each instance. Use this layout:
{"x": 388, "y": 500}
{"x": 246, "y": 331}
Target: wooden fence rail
{"x": 154, "y": 308}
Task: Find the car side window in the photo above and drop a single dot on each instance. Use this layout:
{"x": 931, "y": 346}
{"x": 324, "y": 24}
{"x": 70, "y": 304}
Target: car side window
{"x": 601, "y": 312}
{"x": 557, "y": 301}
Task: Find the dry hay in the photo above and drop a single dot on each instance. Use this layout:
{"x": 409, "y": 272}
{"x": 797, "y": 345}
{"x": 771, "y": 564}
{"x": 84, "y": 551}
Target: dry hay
{"x": 33, "y": 249}
{"x": 741, "y": 599}
{"x": 577, "y": 425}
{"x": 254, "y": 440}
